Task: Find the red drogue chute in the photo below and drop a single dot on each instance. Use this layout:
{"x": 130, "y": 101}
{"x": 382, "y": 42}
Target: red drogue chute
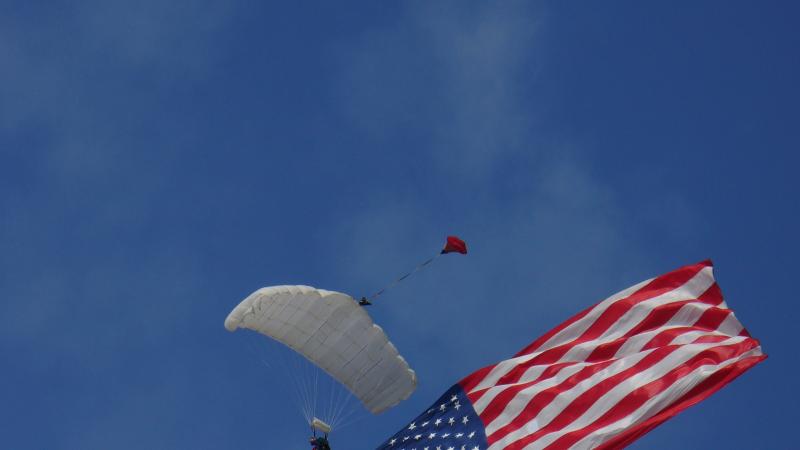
{"x": 454, "y": 244}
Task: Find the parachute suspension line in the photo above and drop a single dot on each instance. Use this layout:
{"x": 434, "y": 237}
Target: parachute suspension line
{"x": 339, "y": 402}
{"x": 253, "y": 348}
{"x": 296, "y": 373}
{"x": 297, "y": 385}
{"x": 302, "y": 375}
{"x": 303, "y": 380}
{"x": 338, "y": 394}
{"x": 400, "y": 280}
{"x": 313, "y": 389}
{"x": 293, "y": 367}
{"x": 347, "y": 408}
{"x": 353, "y": 416}
{"x": 296, "y": 382}
{"x": 329, "y": 410}
{"x": 258, "y": 352}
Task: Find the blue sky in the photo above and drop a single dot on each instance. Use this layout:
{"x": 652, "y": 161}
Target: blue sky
{"x": 161, "y": 160}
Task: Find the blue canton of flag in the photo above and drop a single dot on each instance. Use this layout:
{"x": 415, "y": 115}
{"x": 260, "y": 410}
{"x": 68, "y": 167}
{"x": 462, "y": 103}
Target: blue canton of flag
{"x": 449, "y": 424}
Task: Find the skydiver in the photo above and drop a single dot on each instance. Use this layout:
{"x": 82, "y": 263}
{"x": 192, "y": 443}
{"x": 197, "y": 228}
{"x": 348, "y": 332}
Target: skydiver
{"x": 319, "y": 443}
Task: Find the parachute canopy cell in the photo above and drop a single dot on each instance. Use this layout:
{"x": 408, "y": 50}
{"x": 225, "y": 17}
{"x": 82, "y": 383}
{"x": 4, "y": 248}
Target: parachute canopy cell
{"x": 332, "y": 331}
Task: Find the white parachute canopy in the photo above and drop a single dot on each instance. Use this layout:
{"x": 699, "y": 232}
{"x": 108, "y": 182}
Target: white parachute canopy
{"x": 332, "y": 331}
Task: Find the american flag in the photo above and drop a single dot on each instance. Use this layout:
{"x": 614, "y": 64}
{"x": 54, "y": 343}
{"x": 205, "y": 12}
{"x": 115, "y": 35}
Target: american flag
{"x": 601, "y": 379}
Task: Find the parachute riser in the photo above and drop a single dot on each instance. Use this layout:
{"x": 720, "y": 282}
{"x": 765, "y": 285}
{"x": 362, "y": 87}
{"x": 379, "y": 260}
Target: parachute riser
{"x": 367, "y": 300}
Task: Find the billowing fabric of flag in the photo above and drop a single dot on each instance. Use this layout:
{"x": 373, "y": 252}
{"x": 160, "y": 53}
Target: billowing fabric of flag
{"x": 601, "y": 379}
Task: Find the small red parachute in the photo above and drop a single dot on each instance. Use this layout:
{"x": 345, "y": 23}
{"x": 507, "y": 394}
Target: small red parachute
{"x": 455, "y": 245}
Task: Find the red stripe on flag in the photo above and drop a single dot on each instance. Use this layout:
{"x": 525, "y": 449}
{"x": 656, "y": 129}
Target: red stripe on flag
{"x": 712, "y": 318}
